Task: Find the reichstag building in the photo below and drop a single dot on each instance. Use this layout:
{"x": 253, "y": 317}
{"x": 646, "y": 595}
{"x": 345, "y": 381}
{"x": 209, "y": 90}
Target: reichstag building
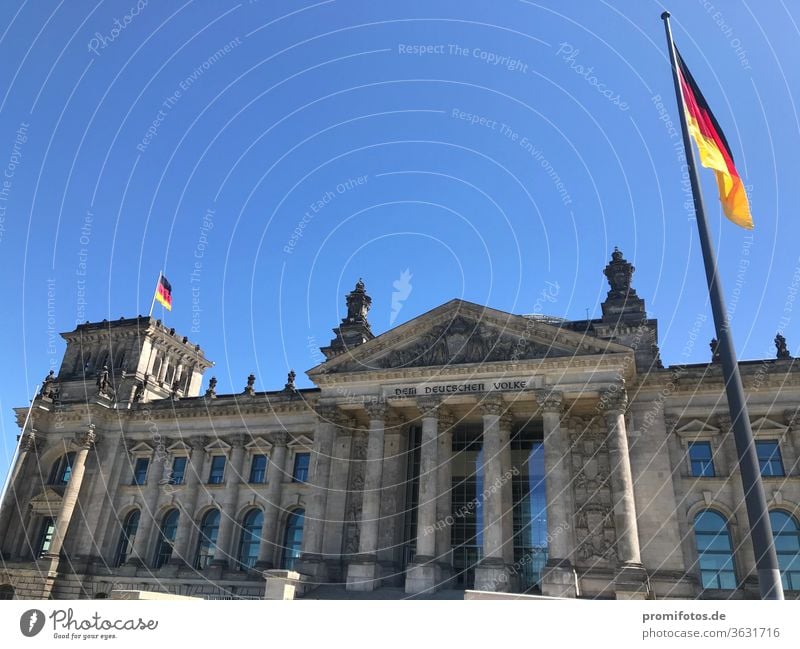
{"x": 468, "y": 449}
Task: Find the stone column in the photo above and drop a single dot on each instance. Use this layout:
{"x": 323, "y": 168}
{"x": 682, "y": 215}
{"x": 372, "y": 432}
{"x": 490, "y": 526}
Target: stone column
{"x": 630, "y": 579}
{"x": 423, "y": 574}
{"x": 275, "y": 476}
{"x": 27, "y": 444}
{"x": 182, "y": 553}
{"x": 229, "y": 503}
{"x": 491, "y": 573}
{"x": 364, "y": 573}
{"x": 444, "y": 479}
{"x": 70, "y": 498}
{"x": 559, "y": 578}
{"x": 312, "y": 562}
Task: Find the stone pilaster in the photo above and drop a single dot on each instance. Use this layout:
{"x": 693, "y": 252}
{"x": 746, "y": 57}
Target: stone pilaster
{"x": 630, "y": 579}
{"x": 83, "y": 443}
{"x": 491, "y": 574}
{"x": 229, "y": 502}
{"x": 363, "y": 574}
{"x": 182, "y": 554}
{"x": 559, "y": 578}
{"x": 423, "y": 574}
{"x": 275, "y": 477}
{"x": 312, "y": 563}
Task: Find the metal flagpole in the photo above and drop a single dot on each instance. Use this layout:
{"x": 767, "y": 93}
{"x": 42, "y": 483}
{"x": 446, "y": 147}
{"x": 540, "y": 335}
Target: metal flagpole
{"x": 153, "y": 303}
{"x": 769, "y": 577}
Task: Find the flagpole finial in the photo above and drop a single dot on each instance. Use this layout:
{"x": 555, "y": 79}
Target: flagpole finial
{"x": 665, "y": 15}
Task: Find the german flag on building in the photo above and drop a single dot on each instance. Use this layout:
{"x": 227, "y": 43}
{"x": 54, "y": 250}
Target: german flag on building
{"x": 164, "y": 292}
{"x": 714, "y": 150}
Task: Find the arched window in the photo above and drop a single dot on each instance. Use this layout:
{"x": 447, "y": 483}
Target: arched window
{"x": 6, "y": 591}
{"x": 786, "y": 532}
{"x": 207, "y": 543}
{"x": 292, "y": 539}
{"x": 166, "y": 537}
{"x": 61, "y": 469}
{"x": 250, "y": 540}
{"x": 126, "y": 537}
{"x": 715, "y": 551}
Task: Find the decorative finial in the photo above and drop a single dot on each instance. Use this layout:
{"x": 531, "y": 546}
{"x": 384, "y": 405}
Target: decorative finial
{"x": 211, "y": 392}
{"x": 289, "y": 387}
{"x": 251, "y": 381}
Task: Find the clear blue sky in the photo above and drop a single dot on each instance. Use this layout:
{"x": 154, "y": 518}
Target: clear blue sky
{"x": 146, "y": 128}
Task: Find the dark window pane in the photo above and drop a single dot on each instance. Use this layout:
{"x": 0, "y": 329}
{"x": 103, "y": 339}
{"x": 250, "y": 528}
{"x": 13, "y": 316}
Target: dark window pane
{"x": 786, "y": 532}
{"x": 127, "y": 537}
{"x": 293, "y": 539}
{"x": 769, "y": 458}
{"x": 258, "y": 469}
{"x": 715, "y": 551}
{"x": 178, "y": 470}
{"x": 46, "y": 536}
{"x": 166, "y": 540}
{"x": 140, "y": 470}
{"x": 217, "y": 474}
{"x": 701, "y": 460}
{"x": 250, "y": 541}
{"x": 207, "y": 543}
{"x": 301, "y": 462}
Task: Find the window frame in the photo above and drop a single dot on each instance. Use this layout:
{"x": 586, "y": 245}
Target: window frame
{"x": 718, "y": 572}
{"x": 776, "y": 456}
{"x": 211, "y": 476}
{"x": 263, "y": 471}
{"x": 295, "y": 547}
{"x": 248, "y": 537}
{"x": 789, "y": 578}
{"x": 136, "y": 481}
{"x": 297, "y": 455}
{"x": 207, "y": 539}
{"x": 163, "y": 540}
{"x": 172, "y": 480}
{"x": 61, "y": 466}
{"x": 127, "y": 537}
{"x": 696, "y": 443}
{"x": 47, "y": 530}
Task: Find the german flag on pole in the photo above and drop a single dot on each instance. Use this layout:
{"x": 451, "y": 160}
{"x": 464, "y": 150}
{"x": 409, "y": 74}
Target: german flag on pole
{"x": 714, "y": 150}
{"x": 164, "y": 292}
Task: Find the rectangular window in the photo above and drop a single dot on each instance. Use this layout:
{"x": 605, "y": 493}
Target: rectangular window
{"x": 701, "y": 459}
{"x": 258, "y": 469}
{"x": 217, "y": 473}
{"x": 46, "y": 536}
{"x": 140, "y": 470}
{"x": 769, "y": 458}
{"x": 300, "y": 472}
{"x": 178, "y": 471}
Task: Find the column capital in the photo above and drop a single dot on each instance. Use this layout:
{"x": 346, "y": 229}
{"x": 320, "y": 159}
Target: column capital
{"x": 614, "y": 400}
{"x": 446, "y": 420}
{"x": 29, "y": 442}
{"x": 724, "y": 422}
{"x": 239, "y": 439}
{"x": 328, "y": 412}
{"x": 792, "y": 417}
{"x": 670, "y": 424}
{"x": 279, "y": 438}
{"x": 550, "y": 401}
{"x": 87, "y": 439}
{"x": 492, "y": 404}
{"x": 429, "y": 406}
{"x": 198, "y": 443}
{"x": 377, "y": 410}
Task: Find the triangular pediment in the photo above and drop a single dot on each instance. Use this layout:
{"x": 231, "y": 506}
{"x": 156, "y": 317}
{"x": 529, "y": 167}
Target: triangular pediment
{"x": 461, "y": 332}
{"x": 301, "y": 441}
{"x": 697, "y": 427}
{"x": 259, "y": 445}
{"x": 47, "y": 503}
{"x": 767, "y": 425}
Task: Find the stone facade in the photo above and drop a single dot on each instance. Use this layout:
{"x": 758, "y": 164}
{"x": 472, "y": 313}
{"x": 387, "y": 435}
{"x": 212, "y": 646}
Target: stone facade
{"x": 467, "y": 448}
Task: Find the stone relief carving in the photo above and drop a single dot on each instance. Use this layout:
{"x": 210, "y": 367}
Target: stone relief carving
{"x": 595, "y": 533}
{"x": 355, "y": 494}
{"x": 461, "y": 340}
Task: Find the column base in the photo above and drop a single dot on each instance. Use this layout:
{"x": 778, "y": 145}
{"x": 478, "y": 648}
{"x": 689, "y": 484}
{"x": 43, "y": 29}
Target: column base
{"x": 363, "y": 574}
{"x": 560, "y": 580}
{"x": 492, "y": 575}
{"x": 422, "y": 576}
{"x": 630, "y": 582}
{"x": 281, "y": 584}
{"x": 446, "y": 574}
{"x": 314, "y": 567}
